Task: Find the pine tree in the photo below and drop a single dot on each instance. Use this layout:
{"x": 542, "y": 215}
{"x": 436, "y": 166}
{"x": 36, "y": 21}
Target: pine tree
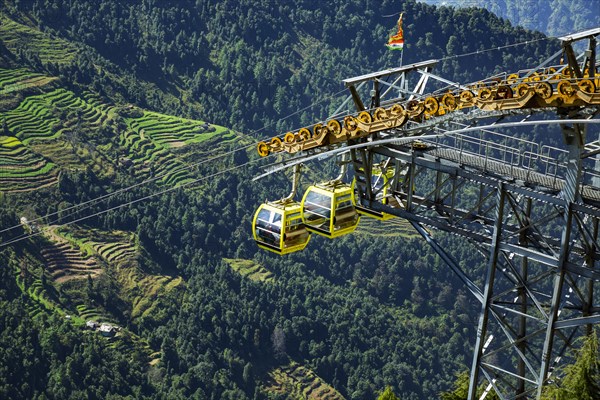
{"x": 581, "y": 379}
{"x": 388, "y": 394}
{"x": 461, "y": 388}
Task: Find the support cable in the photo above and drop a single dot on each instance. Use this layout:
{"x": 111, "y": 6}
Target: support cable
{"x": 170, "y": 189}
{"x": 90, "y": 203}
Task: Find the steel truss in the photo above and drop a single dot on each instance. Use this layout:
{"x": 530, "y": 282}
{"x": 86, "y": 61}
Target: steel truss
{"x": 543, "y": 256}
{"x": 536, "y": 224}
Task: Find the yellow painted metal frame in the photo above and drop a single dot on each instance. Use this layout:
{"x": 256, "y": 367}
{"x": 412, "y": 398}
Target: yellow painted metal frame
{"x": 334, "y": 190}
{"x": 287, "y": 209}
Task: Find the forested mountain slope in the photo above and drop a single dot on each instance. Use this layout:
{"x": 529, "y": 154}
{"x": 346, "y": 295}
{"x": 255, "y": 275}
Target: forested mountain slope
{"x": 553, "y": 17}
{"x": 249, "y": 62}
{"x": 98, "y": 97}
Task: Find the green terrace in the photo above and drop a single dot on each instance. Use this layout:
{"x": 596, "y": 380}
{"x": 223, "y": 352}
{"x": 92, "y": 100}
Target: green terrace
{"x": 172, "y": 131}
{"x": 90, "y": 313}
{"x": 47, "y": 115}
{"x": 112, "y": 247}
{"x": 52, "y": 123}
{"x": 48, "y": 49}
{"x": 251, "y": 270}
{"x": 96, "y": 101}
{"x": 32, "y": 119}
{"x": 147, "y": 290}
{"x": 14, "y": 80}
{"x": 298, "y": 382}
{"x": 22, "y": 169}
{"x": 44, "y": 296}
{"x": 119, "y": 251}
{"x": 148, "y": 145}
{"x": 160, "y": 144}
{"x": 55, "y": 122}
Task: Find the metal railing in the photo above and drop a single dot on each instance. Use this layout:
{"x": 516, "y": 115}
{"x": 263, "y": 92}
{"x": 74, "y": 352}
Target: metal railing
{"x": 501, "y": 151}
{"x": 498, "y": 151}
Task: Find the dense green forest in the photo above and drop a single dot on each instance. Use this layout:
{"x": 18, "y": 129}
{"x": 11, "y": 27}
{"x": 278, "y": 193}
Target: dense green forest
{"x": 553, "y": 17}
{"x": 99, "y": 96}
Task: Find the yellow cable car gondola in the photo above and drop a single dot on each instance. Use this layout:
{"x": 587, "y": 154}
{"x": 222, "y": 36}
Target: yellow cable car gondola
{"x": 277, "y": 225}
{"x": 328, "y": 209}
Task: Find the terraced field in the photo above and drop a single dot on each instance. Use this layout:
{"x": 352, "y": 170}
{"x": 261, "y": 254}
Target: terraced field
{"x": 46, "y": 300}
{"x": 119, "y": 250}
{"x": 44, "y": 296}
{"x": 60, "y": 151}
{"x": 170, "y": 131}
{"x": 150, "y": 159}
{"x": 46, "y": 116}
{"x": 14, "y": 80}
{"x": 22, "y": 169}
{"x": 113, "y": 247}
{"x": 151, "y": 138}
{"x": 396, "y": 227}
{"x": 52, "y": 122}
{"x": 250, "y": 270}
{"x": 64, "y": 263}
{"x": 38, "y": 292}
{"x": 86, "y": 314}
{"x": 32, "y": 119}
{"x": 48, "y": 49}
{"x": 146, "y": 291}
{"x": 128, "y": 343}
{"x": 298, "y": 382}
{"x": 94, "y": 100}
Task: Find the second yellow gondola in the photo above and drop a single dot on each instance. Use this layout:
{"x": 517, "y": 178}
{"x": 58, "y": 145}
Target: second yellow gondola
{"x": 328, "y": 209}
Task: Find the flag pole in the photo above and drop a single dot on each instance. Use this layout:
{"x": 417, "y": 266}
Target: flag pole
{"x": 400, "y": 28}
{"x": 396, "y": 42}
{"x": 401, "y": 56}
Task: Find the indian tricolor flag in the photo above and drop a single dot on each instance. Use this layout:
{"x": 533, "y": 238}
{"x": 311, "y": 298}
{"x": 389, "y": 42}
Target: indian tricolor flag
{"x": 396, "y": 42}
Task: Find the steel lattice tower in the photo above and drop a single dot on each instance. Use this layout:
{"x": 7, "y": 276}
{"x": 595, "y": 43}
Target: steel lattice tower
{"x": 532, "y": 209}
{"x": 538, "y": 226}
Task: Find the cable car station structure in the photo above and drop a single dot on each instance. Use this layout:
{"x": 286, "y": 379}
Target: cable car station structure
{"x": 450, "y": 160}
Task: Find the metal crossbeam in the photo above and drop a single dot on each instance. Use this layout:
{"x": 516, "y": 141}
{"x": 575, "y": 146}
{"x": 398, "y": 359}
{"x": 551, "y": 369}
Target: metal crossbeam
{"x": 388, "y": 72}
{"x": 581, "y": 35}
